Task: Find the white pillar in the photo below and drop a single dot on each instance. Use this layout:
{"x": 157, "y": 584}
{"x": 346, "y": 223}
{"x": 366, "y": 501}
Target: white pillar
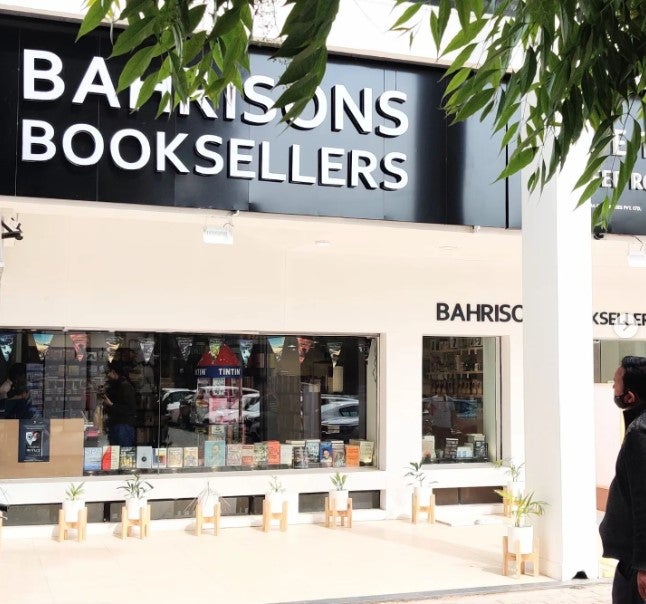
{"x": 558, "y": 372}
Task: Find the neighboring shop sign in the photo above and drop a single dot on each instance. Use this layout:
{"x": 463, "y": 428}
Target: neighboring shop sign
{"x": 373, "y": 144}
{"x": 629, "y": 216}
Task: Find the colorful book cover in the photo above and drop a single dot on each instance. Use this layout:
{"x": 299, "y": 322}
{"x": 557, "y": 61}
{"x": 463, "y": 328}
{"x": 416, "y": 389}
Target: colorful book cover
{"x": 312, "y": 450}
{"x": 128, "y": 458}
{"x": 159, "y": 457}
{"x": 325, "y": 454}
{"x": 217, "y": 432}
{"x": 214, "y": 453}
{"x": 110, "y": 459}
{"x": 247, "y": 455}
{"x": 260, "y": 452}
{"x": 338, "y": 455}
{"x": 352, "y": 458}
{"x": 92, "y": 458}
{"x": 191, "y": 457}
{"x": 175, "y": 457}
{"x": 144, "y": 457}
{"x": 234, "y": 454}
{"x": 286, "y": 454}
{"x": 273, "y": 452}
{"x": 366, "y": 450}
{"x": 300, "y": 457}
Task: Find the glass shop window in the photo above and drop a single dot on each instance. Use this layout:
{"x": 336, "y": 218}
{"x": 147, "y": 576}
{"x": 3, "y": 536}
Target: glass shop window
{"x": 460, "y": 399}
{"x": 197, "y": 402}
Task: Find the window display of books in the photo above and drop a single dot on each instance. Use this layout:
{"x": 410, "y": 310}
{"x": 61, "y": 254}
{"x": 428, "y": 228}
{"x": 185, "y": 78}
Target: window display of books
{"x": 216, "y": 454}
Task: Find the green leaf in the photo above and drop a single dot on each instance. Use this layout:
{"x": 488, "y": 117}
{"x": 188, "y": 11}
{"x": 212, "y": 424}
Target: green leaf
{"x": 589, "y": 191}
{"x": 407, "y": 15}
{"x": 97, "y": 12}
{"x": 519, "y": 159}
{"x": 136, "y": 66}
{"x": 133, "y": 36}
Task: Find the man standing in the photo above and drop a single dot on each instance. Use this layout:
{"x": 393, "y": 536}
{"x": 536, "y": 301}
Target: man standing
{"x": 120, "y": 402}
{"x": 623, "y": 529}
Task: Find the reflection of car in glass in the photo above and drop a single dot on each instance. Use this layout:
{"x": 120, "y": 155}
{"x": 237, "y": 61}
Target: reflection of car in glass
{"x": 339, "y": 416}
{"x": 217, "y": 405}
{"x": 171, "y": 399}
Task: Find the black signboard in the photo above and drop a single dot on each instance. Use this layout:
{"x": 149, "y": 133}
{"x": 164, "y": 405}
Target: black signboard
{"x": 375, "y": 143}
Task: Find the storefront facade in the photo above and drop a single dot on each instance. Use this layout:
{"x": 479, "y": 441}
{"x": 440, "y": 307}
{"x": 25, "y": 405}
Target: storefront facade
{"x": 370, "y": 231}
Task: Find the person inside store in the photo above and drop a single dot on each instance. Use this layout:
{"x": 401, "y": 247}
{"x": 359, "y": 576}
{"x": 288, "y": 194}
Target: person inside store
{"x": 120, "y": 404}
{"x": 623, "y": 528}
{"x": 16, "y": 376}
{"x": 18, "y": 404}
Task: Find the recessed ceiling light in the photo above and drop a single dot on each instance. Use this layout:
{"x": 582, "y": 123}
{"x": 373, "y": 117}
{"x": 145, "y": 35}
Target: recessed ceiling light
{"x": 448, "y": 248}
{"x": 322, "y": 243}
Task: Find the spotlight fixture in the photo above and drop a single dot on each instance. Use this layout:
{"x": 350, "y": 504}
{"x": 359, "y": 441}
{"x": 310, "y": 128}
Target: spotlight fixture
{"x": 220, "y": 235}
{"x": 637, "y": 255}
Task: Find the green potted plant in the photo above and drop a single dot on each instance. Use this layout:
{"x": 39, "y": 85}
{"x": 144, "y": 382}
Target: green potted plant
{"x": 74, "y": 501}
{"x": 422, "y": 487}
{"x": 135, "y": 490}
{"x": 275, "y": 495}
{"x": 516, "y": 484}
{"x": 520, "y": 534}
{"x": 338, "y": 496}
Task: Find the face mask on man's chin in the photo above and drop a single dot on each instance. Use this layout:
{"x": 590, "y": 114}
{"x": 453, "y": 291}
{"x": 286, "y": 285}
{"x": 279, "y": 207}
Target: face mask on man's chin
{"x": 620, "y": 401}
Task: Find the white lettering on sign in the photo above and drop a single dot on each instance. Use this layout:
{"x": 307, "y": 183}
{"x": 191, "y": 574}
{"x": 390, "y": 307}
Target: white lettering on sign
{"x": 341, "y": 108}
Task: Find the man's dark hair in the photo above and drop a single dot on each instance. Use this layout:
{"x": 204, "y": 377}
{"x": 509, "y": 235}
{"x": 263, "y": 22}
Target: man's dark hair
{"x": 635, "y": 376}
{"x": 119, "y": 368}
{"x": 17, "y": 371}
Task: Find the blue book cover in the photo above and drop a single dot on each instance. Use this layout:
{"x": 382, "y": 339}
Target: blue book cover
{"x": 92, "y": 458}
{"x": 214, "y": 453}
{"x": 325, "y": 454}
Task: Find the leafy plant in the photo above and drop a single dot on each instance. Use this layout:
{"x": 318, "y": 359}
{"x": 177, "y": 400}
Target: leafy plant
{"x": 75, "y": 491}
{"x": 523, "y": 506}
{"x": 417, "y": 474}
{"x": 338, "y": 481}
{"x": 135, "y": 487}
{"x": 514, "y": 471}
{"x": 275, "y": 486}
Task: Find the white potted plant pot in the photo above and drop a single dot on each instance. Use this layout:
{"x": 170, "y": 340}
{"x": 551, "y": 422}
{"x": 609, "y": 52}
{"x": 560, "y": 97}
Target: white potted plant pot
{"x": 134, "y": 506}
{"x": 72, "y": 508}
{"x": 275, "y": 501}
{"x": 209, "y": 501}
{"x": 524, "y": 536}
{"x": 338, "y": 500}
{"x": 516, "y": 488}
{"x": 423, "y": 494}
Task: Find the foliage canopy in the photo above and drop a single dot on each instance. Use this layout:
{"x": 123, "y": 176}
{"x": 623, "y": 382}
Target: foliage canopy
{"x": 560, "y": 65}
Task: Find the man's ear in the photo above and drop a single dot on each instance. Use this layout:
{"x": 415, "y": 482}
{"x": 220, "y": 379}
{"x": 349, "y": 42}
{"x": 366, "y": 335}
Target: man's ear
{"x": 630, "y": 397}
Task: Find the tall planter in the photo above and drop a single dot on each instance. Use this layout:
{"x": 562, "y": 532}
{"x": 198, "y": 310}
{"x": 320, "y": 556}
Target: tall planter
{"x": 275, "y": 501}
{"x": 423, "y": 495}
{"x": 524, "y": 536}
{"x": 338, "y": 500}
{"x": 72, "y": 508}
{"x": 134, "y": 507}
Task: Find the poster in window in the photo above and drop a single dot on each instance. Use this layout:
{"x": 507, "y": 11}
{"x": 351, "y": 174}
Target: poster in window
{"x": 33, "y": 440}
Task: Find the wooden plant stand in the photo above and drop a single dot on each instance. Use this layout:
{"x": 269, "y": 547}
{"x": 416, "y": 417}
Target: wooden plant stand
{"x": 268, "y": 516}
{"x": 201, "y": 520}
{"x": 428, "y": 509}
{"x": 506, "y": 504}
{"x": 143, "y": 522}
{"x": 331, "y": 514}
{"x": 80, "y": 525}
{"x": 521, "y": 560}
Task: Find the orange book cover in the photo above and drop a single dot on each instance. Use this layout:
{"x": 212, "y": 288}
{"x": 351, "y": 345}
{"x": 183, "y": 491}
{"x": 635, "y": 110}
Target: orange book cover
{"x": 273, "y": 452}
{"x": 352, "y": 455}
